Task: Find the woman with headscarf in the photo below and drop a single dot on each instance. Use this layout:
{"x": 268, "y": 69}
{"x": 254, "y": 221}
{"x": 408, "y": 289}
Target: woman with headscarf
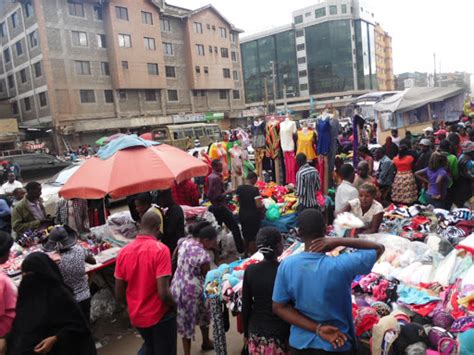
{"x": 264, "y": 331}
{"x": 48, "y": 319}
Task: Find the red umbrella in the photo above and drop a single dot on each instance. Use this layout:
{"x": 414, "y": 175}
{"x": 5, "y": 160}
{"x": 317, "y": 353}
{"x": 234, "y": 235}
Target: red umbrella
{"x": 147, "y": 136}
{"x": 131, "y": 171}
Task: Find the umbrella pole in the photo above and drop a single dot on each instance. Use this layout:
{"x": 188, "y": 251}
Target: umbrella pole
{"x": 105, "y": 211}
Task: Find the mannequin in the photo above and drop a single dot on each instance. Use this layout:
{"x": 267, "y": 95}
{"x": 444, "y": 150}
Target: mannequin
{"x": 273, "y": 146}
{"x": 236, "y": 156}
{"x": 258, "y": 143}
{"x": 288, "y": 137}
{"x": 306, "y": 142}
{"x": 335, "y": 129}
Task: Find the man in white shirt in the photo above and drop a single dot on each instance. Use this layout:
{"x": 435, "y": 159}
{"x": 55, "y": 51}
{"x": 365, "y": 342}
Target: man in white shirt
{"x": 346, "y": 191}
{"x": 11, "y": 184}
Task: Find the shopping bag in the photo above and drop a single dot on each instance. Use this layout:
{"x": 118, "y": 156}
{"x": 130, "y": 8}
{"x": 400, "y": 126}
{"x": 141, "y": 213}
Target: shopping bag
{"x": 423, "y": 199}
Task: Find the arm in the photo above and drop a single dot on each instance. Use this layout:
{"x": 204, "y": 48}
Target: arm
{"x": 441, "y": 182}
{"x": 120, "y": 291}
{"x": 375, "y": 224}
{"x": 90, "y": 259}
{"x": 421, "y": 175}
{"x": 19, "y": 225}
{"x": 323, "y": 245}
{"x": 163, "y": 286}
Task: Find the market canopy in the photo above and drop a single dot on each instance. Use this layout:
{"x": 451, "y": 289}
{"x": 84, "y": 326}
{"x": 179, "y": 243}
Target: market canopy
{"x": 133, "y": 170}
{"x": 413, "y": 98}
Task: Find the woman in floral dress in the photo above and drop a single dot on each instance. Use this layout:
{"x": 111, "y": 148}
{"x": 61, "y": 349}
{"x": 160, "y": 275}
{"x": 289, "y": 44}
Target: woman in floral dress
{"x": 187, "y": 286}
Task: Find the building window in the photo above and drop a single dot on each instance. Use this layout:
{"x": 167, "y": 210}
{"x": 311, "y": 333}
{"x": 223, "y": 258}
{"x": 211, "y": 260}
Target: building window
{"x": 172, "y": 95}
{"x": 75, "y": 8}
{"x": 302, "y": 73}
{"x": 23, "y": 76}
{"x": 223, "y": 94}
{"x": 299, "y": 33}
{"x": 15, "y": 108}
{"x": 33, "y": 39}
{"x": 14, "y": 18}
{"x": 149, "y": 44}
{"x": 170, "y": 71}
{"x": 19, "y": 48}
{"x": 168, "y": 48}
{"x": 320, "y": 12}
{"x": 122, "y": 95}
{"x": 235, "y": 75}
{"x": 206, "y": 70}
{"x": 101, "y": 42}
{"x": 1, "y": 86}
{"x": 234, "y": 37}
{"x": 104, "y": 68}
{"x": 98, "y": 12}
{"x": 224, "y": 53}
{"x": 109, "y": 96}
{"x": 83, "y": 67}
{"x": 197, "y": 69}
{"x": 125, "y": 41}
{"x": 300, "y": 47}
{"x": 3, "y": 29}
{"x": 197, "y": 27}
{"x": 38, "y": 70}
{"x": 344, "y": 9}
{"x": 236, "y": 94}
{"x": 121, "y": 13}
{"x": 43, "y": 99}
{"x": 6, "y": 55}
{"x": 28, "y": 8}
{"x": 333, "y": 10}
{"x": 150, "y": 95}
{"x": 124, "y": 64}
{"x": 147, "y": 18}
{"x": 200, "y": 49}
{"x": 210, "y": 49}
{"x": 307, "y": 14}
{"x": 11, "y": 81}
{"x": 304, "y": 87}
{"x": 213, "y": 28}
{"x": 223, "y": 32}
{"x": 165, "y": 25}
{"x": 27, "y": 104}
{"x": 226, "y": 73}
{"x": 87, "y": 96}
{"x": 152, "y": 69}
{"x": 301, "y": 60}
{"x": 79, "y": 38}
{"x": 298, "y": 19}
{"x": 233, "y": 55}
{"x": 215, "y": 50}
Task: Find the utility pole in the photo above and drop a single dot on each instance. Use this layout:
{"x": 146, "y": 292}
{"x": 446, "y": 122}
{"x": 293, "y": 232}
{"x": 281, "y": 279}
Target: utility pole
{"x": 284, "y": 99}
{"x": 274, "y": 85}
{"x": 266, "y": 95}
{"x": 434, "y": 77}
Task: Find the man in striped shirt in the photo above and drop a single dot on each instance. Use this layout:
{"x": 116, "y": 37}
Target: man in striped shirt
{"x": 308, "y": 184}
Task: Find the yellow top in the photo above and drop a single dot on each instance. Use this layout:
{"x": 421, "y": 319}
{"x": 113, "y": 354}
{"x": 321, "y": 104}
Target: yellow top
{"x": 305, "y": 144}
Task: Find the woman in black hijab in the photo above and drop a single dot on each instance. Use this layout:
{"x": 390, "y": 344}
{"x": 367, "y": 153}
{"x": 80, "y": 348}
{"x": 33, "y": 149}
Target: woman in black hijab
{"x": 48, "y": 319}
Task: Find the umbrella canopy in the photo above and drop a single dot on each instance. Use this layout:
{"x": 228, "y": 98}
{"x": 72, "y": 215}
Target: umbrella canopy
{"x": 131, "y": 171}
{"x": 147, "y": 136}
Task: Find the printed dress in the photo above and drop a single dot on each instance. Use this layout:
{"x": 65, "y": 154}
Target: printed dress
{"x": 187, "y": 287}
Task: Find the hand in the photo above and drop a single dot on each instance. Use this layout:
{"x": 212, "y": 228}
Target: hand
{"x": 332, "y": 335}
{"x": 436, "y": 197}
{"x": 3, "y": 346}
{"x": 46, "y": 345}
{"x": 323, "y": 245}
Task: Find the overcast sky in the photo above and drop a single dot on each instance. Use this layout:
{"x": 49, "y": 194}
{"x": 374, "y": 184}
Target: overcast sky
{"x": 418, "y": 27}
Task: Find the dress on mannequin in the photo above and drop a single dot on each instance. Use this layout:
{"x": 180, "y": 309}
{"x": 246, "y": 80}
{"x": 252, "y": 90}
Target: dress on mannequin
{"x": 236, "y": 155}
{"x": 273, "y": 147}
{"x": 258, "y": 144}
{"x": 324, "y": 136}
{"x": 287, "y": 132}
{"x": 305, "y": 144}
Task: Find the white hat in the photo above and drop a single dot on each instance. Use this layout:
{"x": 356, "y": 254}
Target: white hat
{"x": 428, "y": 129}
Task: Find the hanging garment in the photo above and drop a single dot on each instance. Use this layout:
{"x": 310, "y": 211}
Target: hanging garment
{"x": 305, "y": 144}
{"x": 258, "y": 135}
{"x": 220, "y": 343}
{"x": 324, "y": 136}
{"x": 290, "y": 166}
{"x": 287, "y": 131}
{"x": 273, "y": 139}
{"x": 335, "y": 128}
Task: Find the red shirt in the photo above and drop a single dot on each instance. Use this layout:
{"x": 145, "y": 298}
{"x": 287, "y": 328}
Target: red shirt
{"x": 186, "y": 193}
{"x": 140, "y": 264}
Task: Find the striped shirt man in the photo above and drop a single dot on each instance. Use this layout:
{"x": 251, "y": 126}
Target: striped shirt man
{"x": 308, "y": 184}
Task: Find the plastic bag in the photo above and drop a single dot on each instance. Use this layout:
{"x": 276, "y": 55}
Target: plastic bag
{"x": 273, "y": 213}
{"x": 423, "y": 199}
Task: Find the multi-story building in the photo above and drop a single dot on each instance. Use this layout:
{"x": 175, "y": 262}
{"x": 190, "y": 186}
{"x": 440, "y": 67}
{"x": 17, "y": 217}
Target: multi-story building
{"x": 384, "y": 59}
{"x": 83, "y": 68}
{"x": 408, "y": 80}
{"x": 329, "y": 48}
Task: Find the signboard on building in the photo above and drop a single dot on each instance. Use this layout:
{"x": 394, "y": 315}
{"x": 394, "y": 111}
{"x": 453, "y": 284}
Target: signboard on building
{"x": 8, "y": 125}
{"x": 253, "y": 112}
{"x": 212, "y": 116}
{"x": 189, "y": 118}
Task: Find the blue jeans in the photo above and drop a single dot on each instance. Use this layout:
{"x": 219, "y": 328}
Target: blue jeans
{"x": 160, "y": 339}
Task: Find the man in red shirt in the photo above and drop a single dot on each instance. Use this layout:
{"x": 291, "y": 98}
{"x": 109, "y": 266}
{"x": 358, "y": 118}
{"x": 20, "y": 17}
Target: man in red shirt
{"x": 186, "y": 193}
{"x": 142, "y": 273}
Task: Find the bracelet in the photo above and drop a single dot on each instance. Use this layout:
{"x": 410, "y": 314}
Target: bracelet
{"x": 318, "y": 328}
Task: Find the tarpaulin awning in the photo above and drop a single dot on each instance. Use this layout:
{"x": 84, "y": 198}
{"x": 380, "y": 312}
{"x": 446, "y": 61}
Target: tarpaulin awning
{"x": 413, "y": 98}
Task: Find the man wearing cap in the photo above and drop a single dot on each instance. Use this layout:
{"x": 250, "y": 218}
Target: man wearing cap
{"x": 464, "y": 188}
{"x": 440, "y": 135}
{"x": 425, "y": 154}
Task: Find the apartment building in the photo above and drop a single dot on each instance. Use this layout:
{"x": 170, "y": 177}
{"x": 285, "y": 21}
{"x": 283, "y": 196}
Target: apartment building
{"x": 384, "y": 59}
{"x": 329, "y": 48}
{"x": 85, "y": 68}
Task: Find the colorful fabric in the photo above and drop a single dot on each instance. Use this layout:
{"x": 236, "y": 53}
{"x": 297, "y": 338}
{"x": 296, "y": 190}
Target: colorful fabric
{"x": 258, "y": 345}
{"x": 273, "y": 139}
{"x": 218, "y": 329}
{"x": 308, "y": 183}
{"x": 8, "y": 295}
{"x": 290, "y": 167}
{"x": 187, "y": 287}
{"x": 366, "y": 318}
{"x": 305, "y": 144}
{"x": 404, "y": 188}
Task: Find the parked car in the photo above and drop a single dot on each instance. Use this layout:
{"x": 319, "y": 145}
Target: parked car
{"x": 38, "y": 164}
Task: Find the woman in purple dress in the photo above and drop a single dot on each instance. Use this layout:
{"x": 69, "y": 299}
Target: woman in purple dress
{"x": 187, "y": 286}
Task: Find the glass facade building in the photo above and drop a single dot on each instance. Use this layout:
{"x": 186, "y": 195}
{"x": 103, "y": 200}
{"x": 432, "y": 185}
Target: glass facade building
{"x": 257, "y": 56}
{"x": 365, "y": 55}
